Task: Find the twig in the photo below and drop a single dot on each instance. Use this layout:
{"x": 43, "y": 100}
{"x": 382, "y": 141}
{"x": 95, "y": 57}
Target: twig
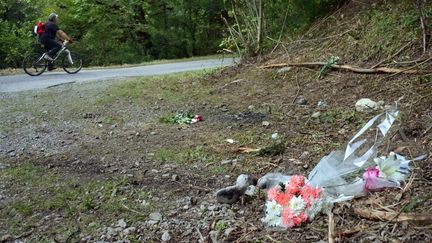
{"x": 133, "y": 210}
{"x": 25, "y": 234}
{"x": 426, "y": 131}
{"x": 422, "y": 24}
{"x": 392, "y": 56}
{"x": 200, "y": 235}
{"x": 273, "y": 240}
{"x": 298, "y": 89}
{"x": 280, "y": 34}
{"x": 394, "y": 217}
{"x": 412, "y": 67}
{"x": 412, "y": 61}
{"x": 347, "y": 67}
{"x": 331, "y": 227}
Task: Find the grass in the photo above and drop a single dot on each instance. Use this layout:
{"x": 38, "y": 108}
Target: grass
{"x": 43, "y": 191}
{"x": 185, "y": 156}
{"x": 175, "y": 88}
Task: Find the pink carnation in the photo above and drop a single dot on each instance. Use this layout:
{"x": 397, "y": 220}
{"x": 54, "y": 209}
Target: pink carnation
{"x": 287, "y": 218}
{"x": 292, "y": 189}
{"x": 310, "y": 193}
{"x": 290, "y": 220}
{"x": 297, "y": 180}
{"x": 283, "y": 198}
{"x": 272, "y": 193}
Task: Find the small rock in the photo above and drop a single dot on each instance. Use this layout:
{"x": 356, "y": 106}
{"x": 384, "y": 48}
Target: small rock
{"x": 92, "y": 224}
{"x": 250, "y": 191}
{"x": 302, "y": 101}
{"x": 366, "y": 105}
{"x": 129, "y": 231}
{"x": 6, "y": 238}
{"x": 212, "y": 208}
{"x": 304, "y": 155}
{"x": 266, "y": 123}
{"x": 152, "y": 222}
{"x": 214, "y": 235}
{"x": 174, "y": 177}
{"x": 186, "y": 207}
{"x": 224, "y": 109}
{"x": 228, "y": 231}
{"x": 153, "y": 133}
{"x": 275, "y": 135}
{"x": 156, "y": 216}
{"x": 284, "y": 70}
{"x": 122, "y": 223}
{"x": 230, "y": 140}
{"x": 342, "y": 131}
{"x": 110, "y": 231}
{"x": 166, "y": 236}
{"x": 316, "y": 114}
{"x": 322, "y": 104}
{"x": 166, "y": 175}
{"x": 227, "y": 161}
{"x": 251, "y": 107}
{"x": 2, "y": 136}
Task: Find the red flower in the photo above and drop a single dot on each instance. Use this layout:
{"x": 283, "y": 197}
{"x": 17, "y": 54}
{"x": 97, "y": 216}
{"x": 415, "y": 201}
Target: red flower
{"x": 283, "y": 198}
{"x": 310, "y": 193}
{"x": 297, "y": 180}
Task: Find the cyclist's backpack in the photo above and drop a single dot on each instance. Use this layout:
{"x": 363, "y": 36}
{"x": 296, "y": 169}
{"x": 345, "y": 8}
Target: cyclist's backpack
{"x": 39, "y": 28}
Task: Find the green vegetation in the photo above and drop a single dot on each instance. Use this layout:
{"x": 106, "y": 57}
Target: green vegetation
{"x": 119, "y": 32}
{"x": 43, "y": 190}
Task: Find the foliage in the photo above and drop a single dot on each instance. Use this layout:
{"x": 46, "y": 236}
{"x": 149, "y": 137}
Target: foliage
{"x": 115, "y": 32}
{"x": 248, "y": 24}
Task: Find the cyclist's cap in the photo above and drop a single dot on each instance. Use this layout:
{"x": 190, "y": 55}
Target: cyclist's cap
{"x": 52, "y": 17}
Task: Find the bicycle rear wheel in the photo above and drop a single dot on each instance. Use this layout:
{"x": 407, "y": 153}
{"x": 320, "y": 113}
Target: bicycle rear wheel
{"x": 73, "y": 64}
{"x": 34, "y": 65}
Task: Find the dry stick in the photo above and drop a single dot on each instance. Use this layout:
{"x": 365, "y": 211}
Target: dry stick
{"x": 422, "y": 23}
{"x": 347, "y": 67}
{"x": 412, "y": 67}
{"x": 133, "y": 210}
{"x": 392, "y": 56}
{"x": 393, "y": 217}
{"x": 413, "y": 61}
{"x": 200, "y": 235}
{"x": 298, "y": 89}
{"x": 427, "y": 130}
{"x": 281, "y": 32}
{"x": 331, "y": 227}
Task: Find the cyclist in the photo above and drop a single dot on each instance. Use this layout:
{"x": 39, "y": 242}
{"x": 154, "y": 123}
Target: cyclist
{"x": 48, "y": 39}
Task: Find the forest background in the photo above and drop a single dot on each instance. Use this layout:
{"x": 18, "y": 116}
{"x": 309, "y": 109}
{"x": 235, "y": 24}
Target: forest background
{"x": 110, "y": 32}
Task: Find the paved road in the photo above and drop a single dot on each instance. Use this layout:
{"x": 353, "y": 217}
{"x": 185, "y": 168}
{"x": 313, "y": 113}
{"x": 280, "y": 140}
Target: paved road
{"x": 14, "y": 83}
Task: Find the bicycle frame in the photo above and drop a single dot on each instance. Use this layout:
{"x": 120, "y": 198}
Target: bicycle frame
{"x": 63, "y": 49}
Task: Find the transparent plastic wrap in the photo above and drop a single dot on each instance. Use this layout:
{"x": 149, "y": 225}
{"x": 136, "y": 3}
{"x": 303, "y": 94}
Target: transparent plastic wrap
{"x": 339, "y": 176}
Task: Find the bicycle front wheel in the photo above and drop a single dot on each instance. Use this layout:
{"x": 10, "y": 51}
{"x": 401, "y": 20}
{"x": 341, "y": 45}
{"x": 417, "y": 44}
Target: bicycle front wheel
{"x": 72, "y": 62}
{"x": 34, "y": 65}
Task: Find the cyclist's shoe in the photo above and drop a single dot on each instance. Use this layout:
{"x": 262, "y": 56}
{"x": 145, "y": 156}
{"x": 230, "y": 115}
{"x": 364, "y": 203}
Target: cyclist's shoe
{"x": 48, "y": 58}
{"x": 51, "y": 68}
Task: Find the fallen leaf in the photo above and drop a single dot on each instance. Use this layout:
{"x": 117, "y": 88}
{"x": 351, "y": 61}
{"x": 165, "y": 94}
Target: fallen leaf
{"x": 244, "y": 150}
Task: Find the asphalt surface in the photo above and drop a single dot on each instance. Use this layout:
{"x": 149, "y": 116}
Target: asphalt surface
{"x": 21, "y": 82}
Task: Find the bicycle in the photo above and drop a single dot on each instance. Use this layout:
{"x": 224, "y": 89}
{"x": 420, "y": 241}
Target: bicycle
{"x": 35, "y": 64}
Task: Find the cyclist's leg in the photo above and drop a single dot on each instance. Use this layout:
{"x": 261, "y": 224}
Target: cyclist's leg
{"x": 54, "y": 47}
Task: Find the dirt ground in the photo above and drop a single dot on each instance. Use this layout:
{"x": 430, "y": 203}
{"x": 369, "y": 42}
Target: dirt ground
{"x": 93, "y": 162}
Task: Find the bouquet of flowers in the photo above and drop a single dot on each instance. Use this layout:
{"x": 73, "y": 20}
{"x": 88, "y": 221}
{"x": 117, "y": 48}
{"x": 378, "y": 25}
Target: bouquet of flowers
{"x": 339, "y": 176}
{"x": 292, "y": 203}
